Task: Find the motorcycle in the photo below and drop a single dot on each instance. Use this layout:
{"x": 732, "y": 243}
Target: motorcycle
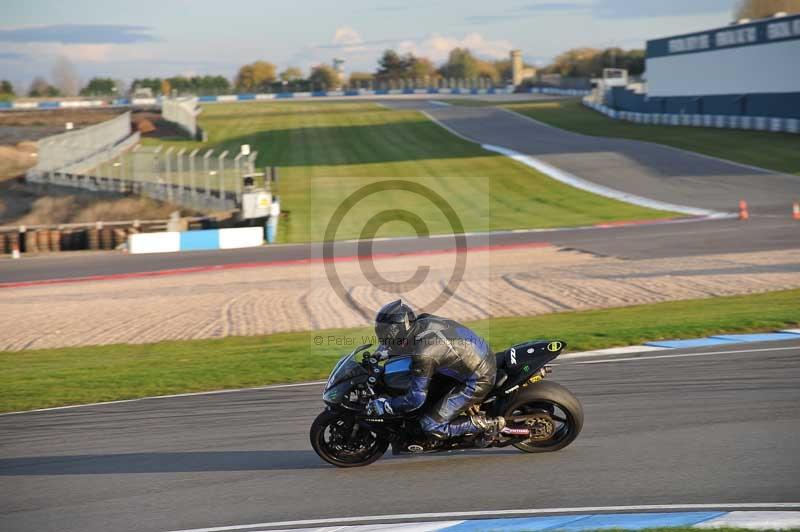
{"x": 541, "y": 416}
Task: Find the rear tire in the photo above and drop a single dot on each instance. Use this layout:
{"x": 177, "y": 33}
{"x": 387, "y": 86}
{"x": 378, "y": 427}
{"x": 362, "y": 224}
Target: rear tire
{"x": 556, "y": 401}
{"x": 330, "y": 439}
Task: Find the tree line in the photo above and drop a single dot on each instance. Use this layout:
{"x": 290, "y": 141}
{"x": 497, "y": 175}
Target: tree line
{"x": 461, "y": 64}
{"x": 261, "y": 76}
{"x": 392, "y": 67}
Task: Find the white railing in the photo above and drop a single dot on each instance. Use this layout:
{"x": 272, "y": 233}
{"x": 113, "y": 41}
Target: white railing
{"x": 110, "y": 153}
{"x": 182, "y": 111}
{"x": 58, "y": 151}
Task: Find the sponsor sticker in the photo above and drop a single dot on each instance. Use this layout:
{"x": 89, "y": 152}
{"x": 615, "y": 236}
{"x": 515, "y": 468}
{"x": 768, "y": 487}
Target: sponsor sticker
{"x": 554, "y": 346}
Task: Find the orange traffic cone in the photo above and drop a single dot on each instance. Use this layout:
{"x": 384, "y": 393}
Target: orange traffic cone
{"x": 743, "y": 214}
{"x": 796, "y": 210}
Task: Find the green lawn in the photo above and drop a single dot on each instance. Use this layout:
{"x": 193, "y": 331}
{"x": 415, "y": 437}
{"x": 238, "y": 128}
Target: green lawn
{"x": 53, "y": 377}
{"x": 693, "y": 529}
{"x": 775, "y": 151}
{"x": 324, "y": 150}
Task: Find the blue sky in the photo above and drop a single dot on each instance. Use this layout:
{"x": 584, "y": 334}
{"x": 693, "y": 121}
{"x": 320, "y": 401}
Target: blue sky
{"x": 137, "y": 38}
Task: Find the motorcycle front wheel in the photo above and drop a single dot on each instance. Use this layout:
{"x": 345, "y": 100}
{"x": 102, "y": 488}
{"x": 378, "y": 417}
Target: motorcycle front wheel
{"x": 338, "y": 440}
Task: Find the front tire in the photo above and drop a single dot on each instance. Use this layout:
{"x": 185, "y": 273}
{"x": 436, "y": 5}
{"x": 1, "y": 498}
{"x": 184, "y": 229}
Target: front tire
{"x": 334, "y": 439}
{"x": 556, "y": 405}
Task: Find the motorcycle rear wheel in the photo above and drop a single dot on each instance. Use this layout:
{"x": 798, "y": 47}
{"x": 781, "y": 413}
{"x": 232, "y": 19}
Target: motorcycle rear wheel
{"x": 333, "y": 440}
{"x": 558, "y": 404}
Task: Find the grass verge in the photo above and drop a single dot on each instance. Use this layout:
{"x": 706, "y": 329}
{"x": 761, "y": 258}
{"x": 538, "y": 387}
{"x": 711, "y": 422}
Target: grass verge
{"x": 325, "y": 150}
{"x": 694, "y": 529}
{"x": 55, "y": 377}
{"x": 775, "y": 151}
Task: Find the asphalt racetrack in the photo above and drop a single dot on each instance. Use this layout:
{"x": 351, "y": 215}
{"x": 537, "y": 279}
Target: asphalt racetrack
{"x": 715, "y": 425}
{"x": 718, "y": 425}
{"x": 649, "y": 170}
{"x": 658, "y": 240}
{"x": 653, "y": 171}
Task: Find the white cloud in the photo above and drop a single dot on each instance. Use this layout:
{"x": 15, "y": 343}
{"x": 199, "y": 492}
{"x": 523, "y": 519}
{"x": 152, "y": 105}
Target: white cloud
{"x": 436, "y": 47}
{"x": 360, "y": 54}
{"x": 347, "y": 36}
{"x": 82, "y": 53}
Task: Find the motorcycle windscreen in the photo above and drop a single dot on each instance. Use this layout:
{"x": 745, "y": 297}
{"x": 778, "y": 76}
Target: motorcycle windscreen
{"x": 336, "y": 394}
{"x": 340, "y": 382}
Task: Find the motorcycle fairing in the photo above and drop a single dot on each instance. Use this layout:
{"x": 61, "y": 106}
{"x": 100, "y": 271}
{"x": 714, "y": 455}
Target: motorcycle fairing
{"x": 519, "y": 363}
{"x": 397, "y": 372}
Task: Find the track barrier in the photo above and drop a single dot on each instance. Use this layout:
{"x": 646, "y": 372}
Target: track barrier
{"x": 207, "y": 239}
{"x": 22, "y": 240}
{"x": 754, "y": 123}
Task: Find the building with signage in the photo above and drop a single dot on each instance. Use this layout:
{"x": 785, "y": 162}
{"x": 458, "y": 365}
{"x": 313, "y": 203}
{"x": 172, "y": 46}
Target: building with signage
{"x": 746, "y": 69}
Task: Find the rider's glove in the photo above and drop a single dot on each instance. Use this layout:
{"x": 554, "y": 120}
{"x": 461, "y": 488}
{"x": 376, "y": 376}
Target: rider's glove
{"x": 381, "y": 353}
{"x": 379, "y": 407}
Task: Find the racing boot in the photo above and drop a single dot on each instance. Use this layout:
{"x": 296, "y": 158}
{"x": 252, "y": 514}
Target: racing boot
{"x": 461, "y": 426}
{"x": 488, "y": 424}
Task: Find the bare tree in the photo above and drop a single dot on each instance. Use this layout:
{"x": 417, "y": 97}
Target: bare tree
{"x": 754, "y": 9}
{"x": 40, "y": 88}
{"x": 65, "y": 77}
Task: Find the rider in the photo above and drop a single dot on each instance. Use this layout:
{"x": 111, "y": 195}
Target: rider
{"x": 438, "y": 346}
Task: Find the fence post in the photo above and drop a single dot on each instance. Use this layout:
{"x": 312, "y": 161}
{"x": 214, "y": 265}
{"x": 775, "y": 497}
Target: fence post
{"x": 180, "y": 173}
{"x": 125, "y": 159}
{"x": 118, "y": 166}
{"x": 237, "y": 163}
{"x": 59, "y": 147}
{"x": 168, "y": 168}
{"x": 251, "y": 169}
{"x": 207, "y": 172}
{"x": 191, "y": 174}
{"x": 221, "y": 172}
{"x": 157, "y": 168}
{"x": 134, "y": 182}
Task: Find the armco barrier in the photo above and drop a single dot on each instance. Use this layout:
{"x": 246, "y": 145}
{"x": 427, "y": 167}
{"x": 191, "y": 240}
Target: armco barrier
{"x": 71, "y": 104}
{"x": 207, "y": 239}
{"x": 150, "y": 102}
{"x": 758, "y": 123}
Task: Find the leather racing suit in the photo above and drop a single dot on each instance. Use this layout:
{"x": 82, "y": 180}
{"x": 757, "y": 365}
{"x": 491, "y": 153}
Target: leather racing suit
{"x": 445, "y": 347}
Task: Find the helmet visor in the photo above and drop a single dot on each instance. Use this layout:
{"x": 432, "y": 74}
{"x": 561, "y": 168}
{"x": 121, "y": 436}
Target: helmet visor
{"x": 390, "y": 334}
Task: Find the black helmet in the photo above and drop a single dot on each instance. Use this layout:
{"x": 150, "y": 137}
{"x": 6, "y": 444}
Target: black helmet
{"x": 393, "y": 323}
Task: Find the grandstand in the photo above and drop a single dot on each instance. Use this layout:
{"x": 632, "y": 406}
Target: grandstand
{"x": 745, "y": 69}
